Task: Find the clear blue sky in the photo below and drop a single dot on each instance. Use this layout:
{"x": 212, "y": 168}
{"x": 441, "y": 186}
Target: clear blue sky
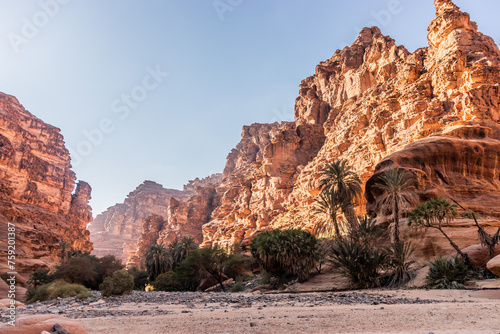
{"x": 84, "y": 64}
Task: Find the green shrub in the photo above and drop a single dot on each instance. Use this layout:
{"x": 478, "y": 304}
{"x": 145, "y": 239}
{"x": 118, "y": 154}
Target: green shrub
{"x": 88, "y": 270}
{"x": 121, "y": 282}
{"x": 238, "y": 287}
{"x": 80, "y": 269}
{"x": 56, "y": 289}
{"x": 361, "y": 263}
{"x": 448, "y": 273}
{"x": 168, "y": 281}
{"x": 285, "y": 253}
{"x": 39, "y": 277}
{"x": 107, "y": 265}
{"x": 237, "y": 266}
{"x": 202, "y": 263}
{"x": 140, "y": 278}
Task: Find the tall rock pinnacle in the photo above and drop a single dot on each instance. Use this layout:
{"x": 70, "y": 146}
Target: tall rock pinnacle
{"x": 444, "y": 5}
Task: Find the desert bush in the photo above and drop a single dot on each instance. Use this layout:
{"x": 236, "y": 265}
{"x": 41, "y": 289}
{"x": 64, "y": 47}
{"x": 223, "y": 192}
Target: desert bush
{"x": 106, "y": 266}
{"x": 361, "y": 263}
{"x": 238, "y": 287}
{"x": 39, "y": 277}
{"x": 80, "y": 269}
{"x": 237, "y": 266}
{"x": 86, "y": 269}
{"x": 140, "y": 278}
{"x": 56, "y": 289}
{"x": 199, "y": 264}
{"x": 286, "y": 253}
{"x": 121, "y": 282}
{"x": 168, "y": 281}
{"x": 448, "y": 273}
{"x": 204, "y": 263}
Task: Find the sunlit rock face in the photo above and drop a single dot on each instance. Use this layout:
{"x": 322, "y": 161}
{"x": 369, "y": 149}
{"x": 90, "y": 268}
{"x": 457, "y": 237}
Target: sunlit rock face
{"x": 434, "y": 111}
{"x": 259, "y": 176}
{"x": 37, "y": 190}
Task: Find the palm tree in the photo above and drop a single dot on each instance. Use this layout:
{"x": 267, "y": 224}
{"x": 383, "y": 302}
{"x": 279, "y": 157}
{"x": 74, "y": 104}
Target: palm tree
{"x": 432, "y": 214}
{"x": 329, "y": 204}
{"x": 180, "y": 250}
{"x": 158, "y": 261}
{"x": 397, "y": 194}
{"x": 339, "y": 179}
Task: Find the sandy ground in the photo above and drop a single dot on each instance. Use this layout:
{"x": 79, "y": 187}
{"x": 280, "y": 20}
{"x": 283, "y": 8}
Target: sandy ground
{"x": 461, "y": 311}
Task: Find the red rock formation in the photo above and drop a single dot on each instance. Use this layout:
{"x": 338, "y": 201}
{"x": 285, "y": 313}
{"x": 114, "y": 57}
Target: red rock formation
{"x": 36, "y": 185}
{"x": 151, "y": 228}
{"x": 117, "y": 230}
{"x": 434, "y": 111}
{"x": 184, "y": 219}
{"x": 259, "y": 175}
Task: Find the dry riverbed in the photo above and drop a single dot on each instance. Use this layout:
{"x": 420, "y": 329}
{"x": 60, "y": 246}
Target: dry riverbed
{"x": 391, "y": 311}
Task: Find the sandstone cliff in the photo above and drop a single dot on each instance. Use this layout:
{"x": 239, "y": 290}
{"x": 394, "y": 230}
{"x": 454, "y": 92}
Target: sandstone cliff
{"x": 184, "y": 219}
{"x": 117, "y": 230}
{"x": 36, "y": 190}
{"x": 434, "y": 112}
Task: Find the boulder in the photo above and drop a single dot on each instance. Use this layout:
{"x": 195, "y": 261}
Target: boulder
{"x": 494, "y": 265}
{"x": 35, "y": 324}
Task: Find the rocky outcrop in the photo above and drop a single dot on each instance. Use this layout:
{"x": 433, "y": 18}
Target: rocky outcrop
{"x": 126, "y": 230}
{"x": 36, "y": 190}
{"x": 151, "y": 227}
{"x": 116, "y": 230}
{"x": 193, "y": 184}
{"x": 184, "y": 219}
{"x": 259, "y": 176}
{"x": 434, "y": 112}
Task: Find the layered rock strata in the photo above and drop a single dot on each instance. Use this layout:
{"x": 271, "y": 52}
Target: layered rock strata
{"x": 434, "y": 111}
{"x": 36, "y": 191}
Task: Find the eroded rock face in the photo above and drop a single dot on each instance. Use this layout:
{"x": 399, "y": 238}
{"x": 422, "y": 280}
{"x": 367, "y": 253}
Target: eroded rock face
{"x": 116, "y": 230}
{"x": 184, "y": 219}
{"x": 434, "y": 111}
{"x": 36, "y": 186}
{"x": 259, "y": 176}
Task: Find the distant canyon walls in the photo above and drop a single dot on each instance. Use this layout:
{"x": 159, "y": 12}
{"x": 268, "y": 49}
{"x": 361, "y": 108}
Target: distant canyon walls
{"x": 149, "y": 210}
